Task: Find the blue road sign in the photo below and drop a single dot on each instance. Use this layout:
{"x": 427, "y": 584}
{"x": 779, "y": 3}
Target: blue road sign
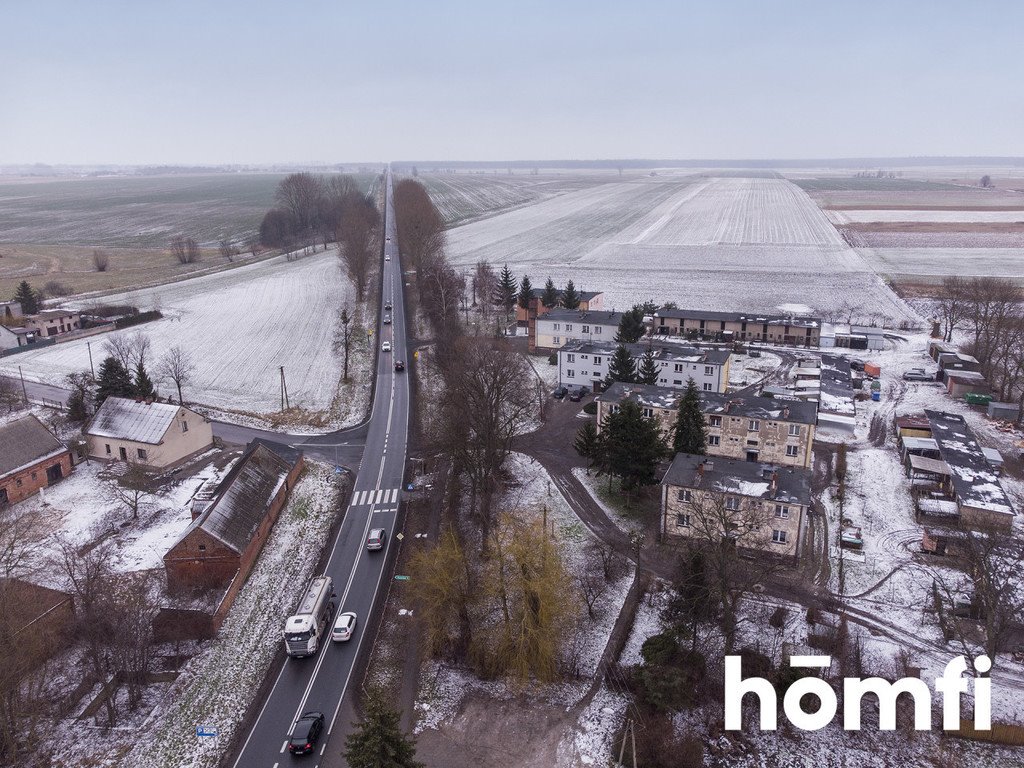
{"x": 205, "y": 731}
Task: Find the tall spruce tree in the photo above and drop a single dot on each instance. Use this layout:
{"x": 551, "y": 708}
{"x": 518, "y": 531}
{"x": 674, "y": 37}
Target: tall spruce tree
{"x": 143, "y": 385}
{"x": 648, "y": 371}
{"x": 550, "y": 297}
{"x": 622, "y": 366}
{"x": 632, "y": 446}
{"x": 631, "y": 326}
{"x": 588, "y": 444}
{"x": 28, "y": 298}
{"x": 378, "y": 741}
{"x": 689, "y": 435}
{"x": 525, "y": 292}
{"x": 505, "y": 291}
{"x": 113, "y": 381}
{"x": 570, "y": 296}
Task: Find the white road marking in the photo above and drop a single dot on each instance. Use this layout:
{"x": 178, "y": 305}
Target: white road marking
{"x": 284, "y": 747}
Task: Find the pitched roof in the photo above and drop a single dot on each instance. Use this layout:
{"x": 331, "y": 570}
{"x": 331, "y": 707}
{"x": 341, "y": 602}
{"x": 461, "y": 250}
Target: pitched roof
{"x": 743, "y": 478}
{"x": 593, "y": 316}
{"x": 538, "y": 293}
{"x": 974, "y": 481}
{"x": 140, "y": 422}
{"x": 24, "y": 442}
{"x": 663, "y": 350}
{"x": 243, "y": 497}
{"x": 644, "y": 394}
{"x": 802, "y": 321}
{"x": 755, "y": 407}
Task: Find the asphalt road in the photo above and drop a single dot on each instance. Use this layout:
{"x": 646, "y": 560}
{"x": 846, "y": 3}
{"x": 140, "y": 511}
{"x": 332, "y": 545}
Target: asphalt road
{"x": 320, "y": 682}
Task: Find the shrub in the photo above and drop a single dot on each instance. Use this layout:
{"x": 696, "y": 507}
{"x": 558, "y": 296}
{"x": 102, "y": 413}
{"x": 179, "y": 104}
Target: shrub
{"x": 137, "y": 319}
{"x": 553, "y": 359}
{"x": 590, "y": 408}
{"x": 54, "y": 288}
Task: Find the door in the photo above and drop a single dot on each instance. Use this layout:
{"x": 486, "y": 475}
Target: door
{"x": 752, "y": 456}
{"x": 54, "y": 473}
{"x": 124, "y": 453}
{"x": 3, "y": 497}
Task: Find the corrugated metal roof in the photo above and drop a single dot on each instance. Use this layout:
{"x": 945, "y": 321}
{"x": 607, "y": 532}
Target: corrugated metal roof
{"x": 25, "y": 441}
{"x": 126, "y": 419}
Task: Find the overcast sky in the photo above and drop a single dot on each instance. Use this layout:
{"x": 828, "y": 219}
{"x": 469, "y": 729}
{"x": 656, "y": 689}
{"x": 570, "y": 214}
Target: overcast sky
{"x": 255, "y": 82}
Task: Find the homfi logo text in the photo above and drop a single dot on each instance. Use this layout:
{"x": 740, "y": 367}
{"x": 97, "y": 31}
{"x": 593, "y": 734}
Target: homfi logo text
{"x": 951, "y": 685}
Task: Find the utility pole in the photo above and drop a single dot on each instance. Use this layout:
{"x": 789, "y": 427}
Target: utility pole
{"x": 23, "y": 390}
{"x": 88, "y": 346}
{"x": 285, "y": 405}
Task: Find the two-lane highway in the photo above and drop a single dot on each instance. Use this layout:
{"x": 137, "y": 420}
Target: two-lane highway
{"x": 320, "y": 682}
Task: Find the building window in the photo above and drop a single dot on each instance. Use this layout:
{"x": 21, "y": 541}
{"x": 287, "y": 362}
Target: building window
{"x": 679, "y": 367}
{"x": 682, "y": 521}
{"x": 792, "y": 450}
{"x": 709, "y": 370}
{"x": 782, "y": 511}
{"x": 18, "y": 482}
{"x": 570, "y": 358}
{"x": 108, "y": 449}
{"x": 714, "y": 421}
{"x": 794, "y": 430}
{"x": 714, "y": 440}
{"x": 202, "y": 547}
{"x": 753, "y": 425}
{"x": 779, "y": 537}
{"x": 568, "y": 327}
{"x": 556, "y": 339}
{"x": 141, "y": 452}
{"x": 684, "y": 494}
{"x": 584, "y": 373}
{"x": 648, "y": 412}
{"x": 570, "y": 374}
{"x": 597, "y": 359}
{"x": 708, "y": 387}
{"x": 586, "y": 329}
{"x": 732, "y": 502}
{"x": 597, "y": 329}
{"x": 557, "y": 327}
{"x": 184, "y": 426}
{"x": 677, "y": 382}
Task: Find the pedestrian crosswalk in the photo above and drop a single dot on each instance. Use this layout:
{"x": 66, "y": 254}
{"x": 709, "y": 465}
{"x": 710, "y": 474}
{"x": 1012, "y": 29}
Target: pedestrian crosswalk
{"x": 378, "y": 496}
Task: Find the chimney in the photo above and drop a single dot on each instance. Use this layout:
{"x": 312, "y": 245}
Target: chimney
{"x": 785, "y": 412}
{"x": 708, "y": 465}
{"x": 774, "y": 482}
{"x": 728, "y": 405}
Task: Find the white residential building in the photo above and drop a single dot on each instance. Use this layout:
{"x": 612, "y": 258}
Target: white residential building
{"x": 560, "y": 326}
{"x": 585, "y": 364}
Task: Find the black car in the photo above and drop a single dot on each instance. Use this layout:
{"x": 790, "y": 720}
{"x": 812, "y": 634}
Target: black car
{"x": 576, "y": 395}
{"x": 306, "y": 733}
{"x": 560, "y": 392}
{"x": 856, "y": 365}
{"x": 388, "y": 306}
{"x": 399, "y": 365}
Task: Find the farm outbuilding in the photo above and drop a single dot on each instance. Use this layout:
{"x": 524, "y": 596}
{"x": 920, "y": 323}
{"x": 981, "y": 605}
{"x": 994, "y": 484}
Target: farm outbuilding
{"x": 31, "y": 458}
{"x": 961, "y": 383}
{"x": 1003, "y": 411}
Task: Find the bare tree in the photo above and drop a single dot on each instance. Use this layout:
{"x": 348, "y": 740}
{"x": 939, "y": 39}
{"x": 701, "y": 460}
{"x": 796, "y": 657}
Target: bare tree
{"x": 10, "y": 395}
{"x": 191, "y": 251}
{"x": 177, "y": 365}
{"x": 300, "y": 194}
{"x": 119, "y": 346}
{"x": 227, "y": 250}
{"x": 129, "y": 486}
{"x": 132, "y": 644}
{"x": 179, "y": 249}
{"x": 252, "y": 243}
{"x": 140, "y": 345}
{"x": 952, "y": 304}
{"x": 100, "y": 260}
{"x": 343, "y": 337}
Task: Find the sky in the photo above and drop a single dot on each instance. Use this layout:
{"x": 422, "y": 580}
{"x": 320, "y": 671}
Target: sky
{"x": 231, "y": 82}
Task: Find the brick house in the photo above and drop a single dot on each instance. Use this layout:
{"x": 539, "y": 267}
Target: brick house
{"x": 30, "y": 458}
{"x": 154, "y": 435}
{"x": 761, "y": 507}
{"x": 34, "y": 620}
{"x": 788, "y": 330}
{"x": 226, "y": 535}
{"x": 53, "y": 322}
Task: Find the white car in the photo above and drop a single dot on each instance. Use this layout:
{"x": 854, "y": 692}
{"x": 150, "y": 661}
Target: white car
{"x": 387, "y": 258}
{"x": 344, "y": 626}
{"x": 385, "y": 347}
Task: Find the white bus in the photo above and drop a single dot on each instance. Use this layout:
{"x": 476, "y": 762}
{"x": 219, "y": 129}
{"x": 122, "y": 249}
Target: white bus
{"x": 307, "y": 628}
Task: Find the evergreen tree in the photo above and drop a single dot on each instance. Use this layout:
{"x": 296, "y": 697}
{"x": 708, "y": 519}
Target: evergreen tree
{"x": 378, "y": 741}
{"x": 570, "y": 296}
{"x": 28, "y": 298}
{"x": 78, "y": 410}
{"x": 632, "y": 446}
{"x": 113, "y": 381}
{"x": 631, "y": 326}
{"x": 143, "y": 385}
{"x": 525, "y": 290}
{"x": 550, "y": 297}
{"x": 690, "y": 434}
{"x": 648, "y": 371}
{"x": 505, "y": 291}
{"x": 622, "y": 366}
{"x": 588, "y": 443}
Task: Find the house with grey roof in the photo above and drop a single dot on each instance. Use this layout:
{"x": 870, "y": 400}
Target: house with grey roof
{"x": 760, "y": 506}
{"x": 228, "y": 531}
{"x": 152, "y": 434}
{"x": 709, "y": 325}
{"x": 586, "y": 364}
{"x": 31, "y": 458}
{"x": 561, "y": 326}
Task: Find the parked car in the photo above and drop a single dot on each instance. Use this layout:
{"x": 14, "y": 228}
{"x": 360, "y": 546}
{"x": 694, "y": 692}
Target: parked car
{"x": 387, "y": 319}
{"x": 917, "y": 374}
{"x": 755, "y": 353}
{"x": 560, "y": 392}
{"x": 856, "y": 365}
{"x": 576, "y": 394}
{"x": 306, "y": 733}
{"x": 385, "y": 347}
{"x": 399, "y": 366}
{"x": 344, "y": 626}
{"x": 375, "y": 540}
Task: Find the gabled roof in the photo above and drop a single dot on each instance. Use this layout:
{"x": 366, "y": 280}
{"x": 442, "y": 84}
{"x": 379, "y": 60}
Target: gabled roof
{"x": 644, "y": 394}
{"x": 791, "y": 485}
{"x": 755, "y": 407}
{"x": 243, "y": 497}
{"x": 25, "y": 442}
{"x": 592, "y": 316}
{"x": 801, "y": 321}
{"x": 140, "y": 422}
{"x": 538, "y": 293}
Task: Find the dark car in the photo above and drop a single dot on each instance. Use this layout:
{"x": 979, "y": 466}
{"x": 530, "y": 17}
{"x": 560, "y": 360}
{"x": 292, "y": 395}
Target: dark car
{"x": 399, "y": 365}
{"x": 388, "y": 306}
{"x": 376, "y": 538}
{"x": 387, "y": 319}
{"x": 306, "y": 733}
{"x": 560, "y": 392}
{"x": 576, "y": 395}
{"x": 857, "y": 365}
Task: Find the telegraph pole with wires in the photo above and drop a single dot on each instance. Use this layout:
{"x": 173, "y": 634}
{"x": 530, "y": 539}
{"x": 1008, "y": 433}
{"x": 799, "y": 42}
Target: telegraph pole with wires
{"x": 631, "y": 733}
{"x": 285, "y": 405}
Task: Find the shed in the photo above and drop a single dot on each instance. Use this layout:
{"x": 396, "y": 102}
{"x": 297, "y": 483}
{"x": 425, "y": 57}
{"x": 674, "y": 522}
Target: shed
{"x": 1003, "y": 411}
{"x": 994, "y": 458}
{"x": 30, "y": 458}
{"x": 959, "y": 383}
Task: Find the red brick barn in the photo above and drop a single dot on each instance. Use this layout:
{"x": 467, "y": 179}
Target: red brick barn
{"x": 30, "y": 458}
{"x": 225, "y": 537}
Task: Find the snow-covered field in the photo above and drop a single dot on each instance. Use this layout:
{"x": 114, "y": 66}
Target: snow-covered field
{"x": 671, "y": 238}
{"x": 998, "y": 262}
{"x": 978, "y": 216}
{"x": 239, "y": 326}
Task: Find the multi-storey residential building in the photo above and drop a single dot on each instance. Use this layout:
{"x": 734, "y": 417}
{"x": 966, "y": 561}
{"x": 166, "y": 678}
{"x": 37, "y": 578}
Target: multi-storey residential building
{"x": 585, "y": 364}
{"x": 527, "y": 316}
{"x": 790, "y": 330}
{"x": 760, "y": 507}
{"x": 739, "y": 426}
{"x": 560, "y": 326}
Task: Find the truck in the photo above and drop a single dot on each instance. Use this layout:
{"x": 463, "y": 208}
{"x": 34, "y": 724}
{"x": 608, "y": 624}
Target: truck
{"x": 307, "y": 628}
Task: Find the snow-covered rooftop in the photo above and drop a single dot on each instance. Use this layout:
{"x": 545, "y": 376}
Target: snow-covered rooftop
{"x": 974, "y": 481}
{"x": 25, "y": 441}
{"x": 139, "y": 421}
{"x": 743, "y": 478}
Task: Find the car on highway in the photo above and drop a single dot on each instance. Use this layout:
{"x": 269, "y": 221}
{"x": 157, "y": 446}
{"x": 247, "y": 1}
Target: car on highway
{"x": 576, "y": 394}
{"x": 560, "y": 392}
{"x": 918, "y": 374}
{"x": 306, "y": 733}
{"x": 388, "y": 306}
{"x": 387, "y": 319}
{"x": 375, "y": 540}
{"x": 387, "y": 258}
{"x": 385, "y": 347}
{"x": 399, "y": 366}
{"x": 344, "y": 626}
{"x": 389, "y": 239}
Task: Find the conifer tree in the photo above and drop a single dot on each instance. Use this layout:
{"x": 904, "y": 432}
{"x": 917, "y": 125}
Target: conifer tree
{"x": 622, "y": 366}
{"x": 632, "y": 446}
{"x": 550, "y": 297}
{"x": 505, "y": 291}
{"x": 570, "y": 296}
{"x": 113, "y": 381}
{"x": 28, "y": 298}
{"x": 648, "y": 371}
{"x": 525, "y": 291}
{"x": 588, "y": 443}
{"x": 378, "y": 741}
{"x": 689, "y": 433}
{"x": 631, "y": 326}
{"x": 143, "y": 385}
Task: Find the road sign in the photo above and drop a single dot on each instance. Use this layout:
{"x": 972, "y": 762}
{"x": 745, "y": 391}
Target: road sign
{"x": 400, "y": 536}
{"x": 205, "y": 731}
{"x": 400, "y": 577}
